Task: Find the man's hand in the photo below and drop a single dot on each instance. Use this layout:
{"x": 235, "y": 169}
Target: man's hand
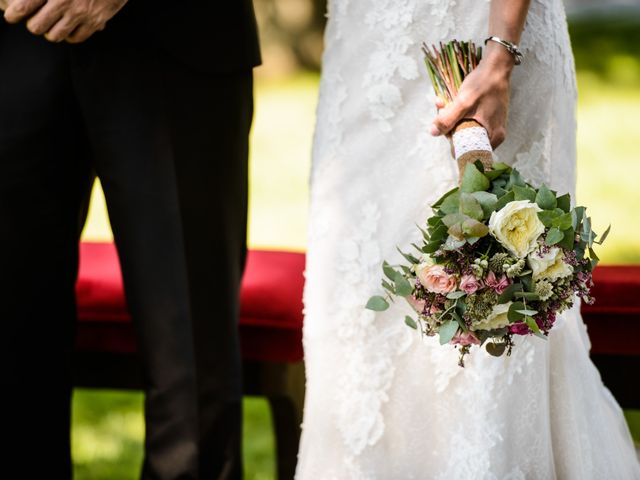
{"x": 58, "y": 20}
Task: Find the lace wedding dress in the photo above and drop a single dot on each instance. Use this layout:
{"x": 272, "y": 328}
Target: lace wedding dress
{"x": 382, "y": 403}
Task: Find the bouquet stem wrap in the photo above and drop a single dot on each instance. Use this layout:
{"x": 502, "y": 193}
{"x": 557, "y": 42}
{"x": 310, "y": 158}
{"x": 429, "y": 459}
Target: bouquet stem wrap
{"x": 471, "y": 143}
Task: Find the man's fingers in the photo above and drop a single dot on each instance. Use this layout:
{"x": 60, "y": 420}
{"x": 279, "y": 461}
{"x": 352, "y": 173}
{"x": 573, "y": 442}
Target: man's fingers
{"x": 21, "y": 9}
{"x": 62, "y": 29}
{"x": 46, "y": 18}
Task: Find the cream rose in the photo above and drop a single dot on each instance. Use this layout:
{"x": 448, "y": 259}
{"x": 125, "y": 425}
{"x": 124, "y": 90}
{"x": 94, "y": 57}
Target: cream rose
{"x": 517, "y": 227}
{"x": 496, "y": 319}
{"x": 549, "y": 266}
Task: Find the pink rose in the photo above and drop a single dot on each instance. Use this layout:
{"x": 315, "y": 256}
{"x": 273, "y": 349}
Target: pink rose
{"x": 465, "y": 338}
{"x": 470, "y": 284}
{"x": 417, "y": 303}
{"x": 436, "y": 280}
{"x": 499, "y": 285}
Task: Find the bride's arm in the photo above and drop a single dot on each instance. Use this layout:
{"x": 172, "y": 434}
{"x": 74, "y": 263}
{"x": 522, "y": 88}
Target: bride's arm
{"x": 484, "y": 94}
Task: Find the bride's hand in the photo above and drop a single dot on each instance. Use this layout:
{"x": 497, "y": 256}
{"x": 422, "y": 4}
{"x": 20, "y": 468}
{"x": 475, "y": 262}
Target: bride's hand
{"x": 483, "y": 96}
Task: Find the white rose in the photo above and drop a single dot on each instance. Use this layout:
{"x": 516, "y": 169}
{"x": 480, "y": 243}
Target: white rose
{"x": 496, "y": 319}
{"x": 550, "y": 266}
{"x": 517, "y": 227}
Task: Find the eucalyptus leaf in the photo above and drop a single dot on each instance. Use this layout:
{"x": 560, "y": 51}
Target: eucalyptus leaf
{"x": 526, "y": 311}
{"x": 503, "y": 200}
{"x": 500, "y": 167}
{"x": 377, "y": 303}
{"x": 564, "y": 202}
{"x": 497, "y": 190}
{"x": 473, "y": 180}
{"x": 513, "y": 314}
{"x": 524, "y": 193}
{"x": 447, "y": 331}
{"x": 389, "y": 271}
{"x": 547, "y": 217}
{"x": 453, "y": 218}
{"x": 438, "y": 234}
{"x": 403, "y": 287}
{"x": 470, "y": 206}
{"x": 496, "y": 349}
{"x": 562, "y": 222}
{"x": 451, "y": 203}
{"x": 531, "y": 323}
{"x": 553, "y": 236}
{"x": 579, "y": 215}
{"x": 455, "y": 295}
{"x": 456, "y": 231}
{"x": 410, "y": 258}
{"x": 488, "y": 202}
{"x": 388, "y": 286}
{"x": 604, "y": 236}
{"x": 474, "y": 228}
{"x": 568, "y": 239}
{"x": 410, "y": 322}
{"x": 545, "y": 199}
{"x": 527, "y": 295}
{"x": 434, "y": 221}
{"x": 431, "y": 247}
{"x": 515, "y": 179}
{"x": 443, "y": 197}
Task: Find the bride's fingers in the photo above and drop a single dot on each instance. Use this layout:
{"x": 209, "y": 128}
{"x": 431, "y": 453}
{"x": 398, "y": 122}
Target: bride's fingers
{"x": 497, "y": 136}
{"x": 449, "y": 116}
{"x": 437, "y": 101}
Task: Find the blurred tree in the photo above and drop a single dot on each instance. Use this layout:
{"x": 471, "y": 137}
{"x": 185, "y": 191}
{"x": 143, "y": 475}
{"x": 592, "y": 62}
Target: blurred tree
{"x": 291, "y": 32}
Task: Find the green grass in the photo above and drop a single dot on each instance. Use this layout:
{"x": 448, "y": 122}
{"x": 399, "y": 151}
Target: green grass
{"x": 108, "y": 436}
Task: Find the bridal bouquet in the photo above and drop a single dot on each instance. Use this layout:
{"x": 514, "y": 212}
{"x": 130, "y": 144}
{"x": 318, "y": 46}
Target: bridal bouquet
{"x": 498, "y": 257}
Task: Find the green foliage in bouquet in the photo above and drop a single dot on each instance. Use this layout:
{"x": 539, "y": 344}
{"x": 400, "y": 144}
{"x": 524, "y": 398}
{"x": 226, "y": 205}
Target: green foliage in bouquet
{"x": 498, "y": 258}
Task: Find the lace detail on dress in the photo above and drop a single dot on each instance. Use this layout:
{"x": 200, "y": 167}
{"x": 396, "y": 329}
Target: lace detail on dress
{"x": 368, "y": 369}
{"x": 390, "y": 55}
{"x": 545, "y": 34}
{"x": 328, "y": 134}
{"x": 533, "y": 164}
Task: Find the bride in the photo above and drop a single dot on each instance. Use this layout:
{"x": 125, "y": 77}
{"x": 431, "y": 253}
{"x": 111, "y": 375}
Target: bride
{"x": 383, "y": 403}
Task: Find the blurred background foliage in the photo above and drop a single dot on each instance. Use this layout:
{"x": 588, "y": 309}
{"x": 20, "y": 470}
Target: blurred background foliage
{"x": 108, "y": 428}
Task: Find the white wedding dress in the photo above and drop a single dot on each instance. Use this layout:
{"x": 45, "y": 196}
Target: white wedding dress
{"x": 382, "y": 403}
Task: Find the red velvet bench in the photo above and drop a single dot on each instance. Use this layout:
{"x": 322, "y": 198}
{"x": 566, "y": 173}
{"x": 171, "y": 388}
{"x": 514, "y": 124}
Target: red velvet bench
{"x": 613, "y": 322}
{"x": 270, "y": 333}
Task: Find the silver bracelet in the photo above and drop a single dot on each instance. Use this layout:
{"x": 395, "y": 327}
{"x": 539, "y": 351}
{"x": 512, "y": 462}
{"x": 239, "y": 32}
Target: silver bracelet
{"x": 510, "y": 46}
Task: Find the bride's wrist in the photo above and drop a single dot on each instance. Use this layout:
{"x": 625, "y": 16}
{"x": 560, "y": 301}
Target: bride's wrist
{"x": 498, "y": 58}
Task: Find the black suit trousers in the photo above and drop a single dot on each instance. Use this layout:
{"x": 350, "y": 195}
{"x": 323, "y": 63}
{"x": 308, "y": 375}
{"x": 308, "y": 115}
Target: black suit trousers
{"x": 170, "y": 146}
